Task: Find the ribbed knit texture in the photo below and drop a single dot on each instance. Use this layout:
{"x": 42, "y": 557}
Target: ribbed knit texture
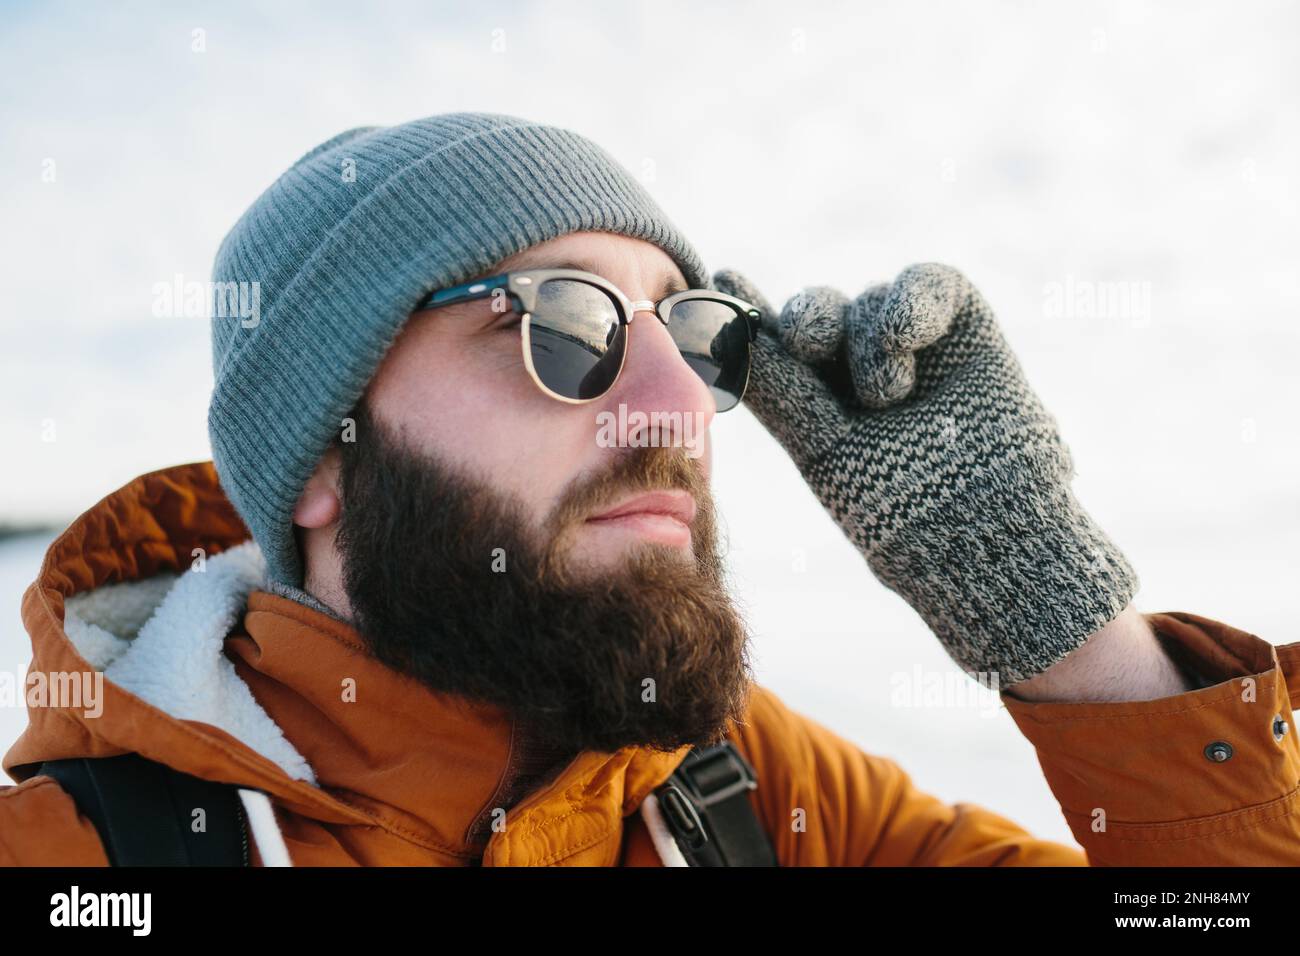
{"x": 341, "y": 263}
{"x": 911, "y": 420}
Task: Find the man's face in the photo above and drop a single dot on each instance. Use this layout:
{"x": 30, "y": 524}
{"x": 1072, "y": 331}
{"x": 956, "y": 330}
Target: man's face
{"x": 455, "y": 386}
{"x": 475, "y": 550}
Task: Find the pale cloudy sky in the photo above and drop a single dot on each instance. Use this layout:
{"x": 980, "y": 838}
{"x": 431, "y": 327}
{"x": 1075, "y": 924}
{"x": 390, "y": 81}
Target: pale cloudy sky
{"x": 1038, "y": 149}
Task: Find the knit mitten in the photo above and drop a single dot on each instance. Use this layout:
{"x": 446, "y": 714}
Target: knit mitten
{"x": 911, "y": 420}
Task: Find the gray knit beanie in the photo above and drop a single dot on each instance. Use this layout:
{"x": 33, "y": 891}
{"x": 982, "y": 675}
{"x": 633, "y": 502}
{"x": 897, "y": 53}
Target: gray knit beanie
{"x": 317, "y": 277}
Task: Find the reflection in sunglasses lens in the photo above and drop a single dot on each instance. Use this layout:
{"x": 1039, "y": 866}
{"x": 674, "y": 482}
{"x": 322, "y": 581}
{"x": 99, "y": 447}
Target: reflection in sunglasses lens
{"x": 714, "y": 341}
{"x": 575, "y": 339}
{"x": 577, "y": 344}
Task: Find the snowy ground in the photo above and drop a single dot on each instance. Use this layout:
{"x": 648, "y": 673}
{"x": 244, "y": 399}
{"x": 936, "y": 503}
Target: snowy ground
{"x": 1038, "y": 148}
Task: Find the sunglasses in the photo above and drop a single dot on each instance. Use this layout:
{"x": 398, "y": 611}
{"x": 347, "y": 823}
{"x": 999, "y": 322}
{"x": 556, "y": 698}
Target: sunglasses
{"x": 574, "y": 330}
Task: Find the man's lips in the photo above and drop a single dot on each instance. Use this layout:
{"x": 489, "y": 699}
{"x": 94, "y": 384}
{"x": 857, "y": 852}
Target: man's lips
{"x": 661, "y": 515}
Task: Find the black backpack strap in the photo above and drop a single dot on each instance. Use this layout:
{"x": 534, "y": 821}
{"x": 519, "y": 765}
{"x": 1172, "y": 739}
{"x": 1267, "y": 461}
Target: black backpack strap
{"x": 144, "y": 811}
{"x": 706, "y": 806}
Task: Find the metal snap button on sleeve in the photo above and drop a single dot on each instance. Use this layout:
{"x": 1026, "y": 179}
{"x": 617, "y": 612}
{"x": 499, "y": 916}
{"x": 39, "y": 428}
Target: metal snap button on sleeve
{"x": 1219, "y": 751}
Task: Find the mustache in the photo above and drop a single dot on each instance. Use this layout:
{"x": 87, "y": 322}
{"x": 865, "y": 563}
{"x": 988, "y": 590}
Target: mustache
{"x": 641, "y": 469}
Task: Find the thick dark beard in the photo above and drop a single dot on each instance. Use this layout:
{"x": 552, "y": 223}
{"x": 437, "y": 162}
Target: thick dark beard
{"x": 653, "y": 653}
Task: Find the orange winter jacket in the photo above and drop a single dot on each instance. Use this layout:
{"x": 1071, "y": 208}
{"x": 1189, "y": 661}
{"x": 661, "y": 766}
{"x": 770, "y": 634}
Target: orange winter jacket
{"x": 214, "y": 676}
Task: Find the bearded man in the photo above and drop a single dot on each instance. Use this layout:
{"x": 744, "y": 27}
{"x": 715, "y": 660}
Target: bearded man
{"x": 421, "y": 610}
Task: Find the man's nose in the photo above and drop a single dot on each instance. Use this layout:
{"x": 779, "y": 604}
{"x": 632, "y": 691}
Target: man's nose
{"x": 657, "y": 378}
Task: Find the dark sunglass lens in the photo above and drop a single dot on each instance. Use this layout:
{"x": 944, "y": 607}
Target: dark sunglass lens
{"x": 714, "y": 340}
{"x": 575, "y": 339}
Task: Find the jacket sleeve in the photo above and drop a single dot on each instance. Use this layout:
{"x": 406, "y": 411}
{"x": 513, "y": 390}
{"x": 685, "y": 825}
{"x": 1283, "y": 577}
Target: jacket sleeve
{"x": 825, "y": 802}
{"x": 1203, "y": 778}
{"x": 41, "y": 826}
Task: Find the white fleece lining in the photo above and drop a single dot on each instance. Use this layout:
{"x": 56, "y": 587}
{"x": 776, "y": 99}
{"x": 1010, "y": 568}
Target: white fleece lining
{"x": 266, "y": 832}
{"x": 175, "y": 661}
{"x": 122, "y": 609}
{"x": 664, "y": 842}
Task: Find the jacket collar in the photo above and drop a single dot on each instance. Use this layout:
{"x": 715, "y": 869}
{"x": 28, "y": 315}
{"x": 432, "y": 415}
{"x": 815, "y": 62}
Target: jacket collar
{"x": 435, "y": 766}
{"x": 358, "y": 743}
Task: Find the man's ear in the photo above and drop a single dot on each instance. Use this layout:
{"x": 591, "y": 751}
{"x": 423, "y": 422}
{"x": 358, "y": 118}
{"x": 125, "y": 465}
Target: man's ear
{"x": 321, "y": 502}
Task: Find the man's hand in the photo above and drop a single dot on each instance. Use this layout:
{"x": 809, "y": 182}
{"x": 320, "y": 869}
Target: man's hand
{"x": 907, "y": 414}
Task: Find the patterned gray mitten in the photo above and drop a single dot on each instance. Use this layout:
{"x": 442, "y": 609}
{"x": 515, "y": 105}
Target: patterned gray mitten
{"x": 911, "y": 420}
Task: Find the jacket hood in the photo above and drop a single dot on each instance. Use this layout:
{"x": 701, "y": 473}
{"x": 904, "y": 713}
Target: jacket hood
{"x": 153, "y": 606}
